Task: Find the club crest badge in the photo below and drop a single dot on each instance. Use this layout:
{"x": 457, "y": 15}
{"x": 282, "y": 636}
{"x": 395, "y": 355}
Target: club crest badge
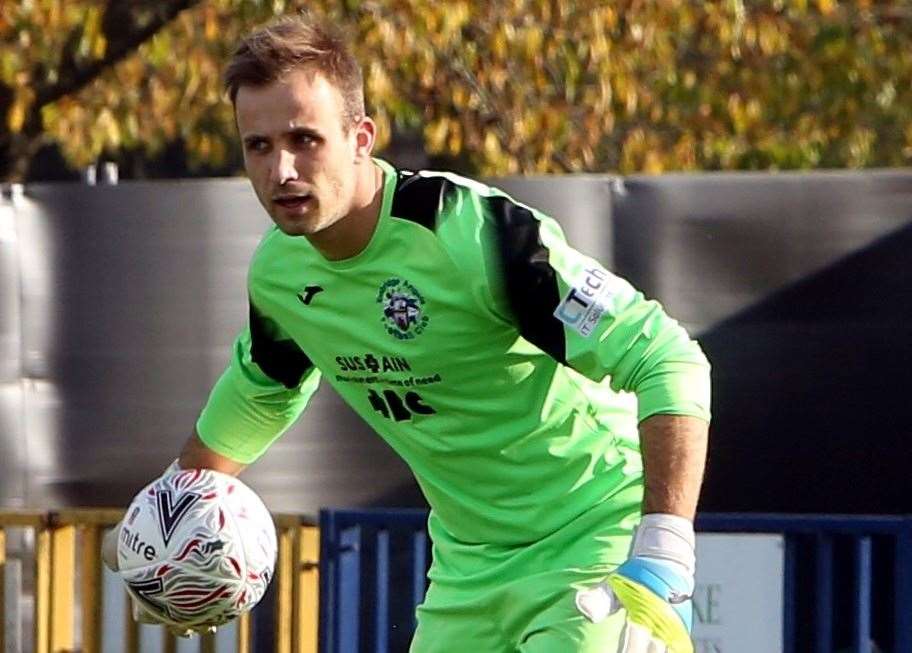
{"x": 403, "y": 309}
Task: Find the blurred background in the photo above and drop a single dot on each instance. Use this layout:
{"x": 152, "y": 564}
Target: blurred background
{"x": 746, "y": 163}
{"x": 495, "y": 88}
{"x": 119, "y": 301}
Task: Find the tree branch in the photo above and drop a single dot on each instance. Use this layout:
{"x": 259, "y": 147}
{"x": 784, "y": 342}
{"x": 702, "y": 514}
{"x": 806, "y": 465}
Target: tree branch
{"x": 126, "y": 25}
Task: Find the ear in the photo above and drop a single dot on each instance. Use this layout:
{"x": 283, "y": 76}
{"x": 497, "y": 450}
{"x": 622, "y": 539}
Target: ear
{"x": 365, "y": 137}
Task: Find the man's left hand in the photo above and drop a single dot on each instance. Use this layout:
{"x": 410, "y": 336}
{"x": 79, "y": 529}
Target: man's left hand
{"x": 654, "y": 586}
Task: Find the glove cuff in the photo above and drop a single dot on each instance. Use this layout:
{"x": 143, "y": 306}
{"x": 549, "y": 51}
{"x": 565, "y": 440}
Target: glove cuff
{"x": 666, "y": 537}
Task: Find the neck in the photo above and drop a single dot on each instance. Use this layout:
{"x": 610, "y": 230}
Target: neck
{"x": 348, "y": 236}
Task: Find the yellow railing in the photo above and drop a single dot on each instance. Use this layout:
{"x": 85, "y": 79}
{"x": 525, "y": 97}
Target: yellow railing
{"x": 67, "y": 540}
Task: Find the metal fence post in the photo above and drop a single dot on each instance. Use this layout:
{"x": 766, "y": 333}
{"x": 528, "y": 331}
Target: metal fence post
{"x": 42, "y": 611}
{"x": 307, "y": 562}
{"x": 381, "y": 595}
{"x": 328, "y": 565}
{"x": 90, "y": 598}
{"x": 789, "y": 587}
{"x": 823, "y": 627}
{"x": 864, "y": 580}
{"x": 63, "y": 587}
{"x": 284, "y": 574}
{"x": 902, "y": 607}
{"x": 2, "y": 589}
{"x": 348, "y": 590}
{"x": 419, "y": 564}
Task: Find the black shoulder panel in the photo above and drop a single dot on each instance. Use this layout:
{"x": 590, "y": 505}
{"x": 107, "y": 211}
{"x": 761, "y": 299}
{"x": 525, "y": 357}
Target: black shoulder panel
{"x": 531, "y": 282}
{"x": 419, "y": 199}
{"x": 280, "y": 360}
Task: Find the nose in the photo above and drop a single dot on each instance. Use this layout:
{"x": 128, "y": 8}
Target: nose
{"x": 283, "y": 168}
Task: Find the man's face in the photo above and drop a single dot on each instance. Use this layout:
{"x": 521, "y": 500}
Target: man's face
{"x": 299, "y": 153}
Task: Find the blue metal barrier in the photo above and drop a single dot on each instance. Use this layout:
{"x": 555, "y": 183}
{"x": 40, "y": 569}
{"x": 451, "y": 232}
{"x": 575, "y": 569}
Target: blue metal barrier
{"x": 839, "y": 550}
{"x": 830, "y": 561}
{"x": 358, "y": 550}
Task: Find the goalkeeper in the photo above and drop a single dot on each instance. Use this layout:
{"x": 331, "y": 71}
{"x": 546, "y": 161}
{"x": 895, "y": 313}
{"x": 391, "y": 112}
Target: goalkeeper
{"x": 555, "y": 419}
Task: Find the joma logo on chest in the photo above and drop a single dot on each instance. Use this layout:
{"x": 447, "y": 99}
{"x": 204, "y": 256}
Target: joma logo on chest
{"x": 308, "y": 293}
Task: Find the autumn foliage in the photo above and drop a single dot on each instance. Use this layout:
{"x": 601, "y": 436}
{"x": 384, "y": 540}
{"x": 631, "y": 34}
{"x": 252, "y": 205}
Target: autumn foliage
{"x": 512, "y": 86}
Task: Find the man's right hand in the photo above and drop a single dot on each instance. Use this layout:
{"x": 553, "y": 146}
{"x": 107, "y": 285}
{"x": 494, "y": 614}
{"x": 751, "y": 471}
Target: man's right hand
{"x": 140, "y": 614}
{"x": 195, "y": 454}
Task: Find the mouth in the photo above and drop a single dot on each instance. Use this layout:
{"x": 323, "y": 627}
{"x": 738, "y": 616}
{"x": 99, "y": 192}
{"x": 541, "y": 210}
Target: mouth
{"x": 292, "y": 201}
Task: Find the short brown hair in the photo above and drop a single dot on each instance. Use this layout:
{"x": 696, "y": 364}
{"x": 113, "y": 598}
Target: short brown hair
{"x": 298, "y": 41}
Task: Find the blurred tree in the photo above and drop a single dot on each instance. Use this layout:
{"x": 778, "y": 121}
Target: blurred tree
{"x": 50, "y": 50}
{"x": 514, "y": 86}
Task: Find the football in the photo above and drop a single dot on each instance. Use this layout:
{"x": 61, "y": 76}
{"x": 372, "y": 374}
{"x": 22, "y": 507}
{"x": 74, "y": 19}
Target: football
{"x": 197, "y": 547}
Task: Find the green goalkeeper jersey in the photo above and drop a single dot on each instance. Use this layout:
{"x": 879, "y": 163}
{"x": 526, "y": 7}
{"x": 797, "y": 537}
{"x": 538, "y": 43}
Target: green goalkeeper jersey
{"x": 506, "y": 368}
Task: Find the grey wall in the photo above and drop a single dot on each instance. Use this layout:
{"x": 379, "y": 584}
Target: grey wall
{"x": 800, "y": 289}
{"x": 744, "y": 236}
{"x": 12, "y": 437}
{"x": 130, "y": 296}
{"x": 117, "y": 308}
{"x": 118, "y": 304}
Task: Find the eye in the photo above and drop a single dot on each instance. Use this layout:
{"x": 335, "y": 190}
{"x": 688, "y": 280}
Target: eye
{"x": 257, "y": 145}
{"x": 304, "y": 140}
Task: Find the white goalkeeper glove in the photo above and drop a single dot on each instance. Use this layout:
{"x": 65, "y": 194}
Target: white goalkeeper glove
{"x": 140, "y": 614}
{"x": 655, "y": 587}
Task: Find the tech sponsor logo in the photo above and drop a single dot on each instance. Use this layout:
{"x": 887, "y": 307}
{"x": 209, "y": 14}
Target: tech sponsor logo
{"x": 373, "y": 363}
{"x": 403, "y": 309}
{"x": 586, "y": 302}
